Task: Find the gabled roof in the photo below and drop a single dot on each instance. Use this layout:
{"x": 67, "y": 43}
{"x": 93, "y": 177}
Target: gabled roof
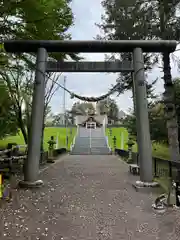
{"x": 94, "y": 120}
{"x": 98, "y": 118}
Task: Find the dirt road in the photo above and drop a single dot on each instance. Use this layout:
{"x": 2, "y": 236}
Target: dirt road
{"x": 86, "y": 198}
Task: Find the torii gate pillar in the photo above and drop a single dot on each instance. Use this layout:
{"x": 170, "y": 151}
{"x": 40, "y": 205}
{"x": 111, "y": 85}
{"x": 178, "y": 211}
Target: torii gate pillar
{"x": 31, "y": 165}
{"x": 143, "y": 130}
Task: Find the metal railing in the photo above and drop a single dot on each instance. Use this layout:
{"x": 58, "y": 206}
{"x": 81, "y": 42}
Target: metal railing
{"x": 90, "y": 140}
{"x": 74, "y": 139}
{"x": 73, "y": 143}
{"x": 161, "y": 167}
{"x": 107, "y": 142}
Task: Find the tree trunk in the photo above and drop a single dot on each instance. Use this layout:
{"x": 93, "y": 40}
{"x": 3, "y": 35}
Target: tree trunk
{"x": 178, "y": 130}
{"x": 169, "y": 94}
{"x": 22, "y": 127}
{"x": 169, "y": 99}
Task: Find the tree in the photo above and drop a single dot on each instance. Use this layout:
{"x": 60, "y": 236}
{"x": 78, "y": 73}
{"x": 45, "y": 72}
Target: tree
{"x": 176, "y": 82}
{"x": 8, "y": 123}
{"x": 31, "y": 19}
{"x": 147, "y": 20}
{"x": 129, "y": 122}
{"x": 157, "y": 123}
{"x": 20, "y": 87}
{"x": 156, "y": 117}
{"x": 109, "y": 107}
{"x": 26, "y": 19}
{"x": 58, "y": 119}
{"x": 82, "y": 108}
{"x": 125, "y": 20}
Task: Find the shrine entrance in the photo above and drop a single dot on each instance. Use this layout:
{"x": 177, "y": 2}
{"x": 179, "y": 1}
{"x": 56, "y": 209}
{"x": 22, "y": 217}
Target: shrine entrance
{"x": 91, "y": 125}
{"x": 136, "y": 68}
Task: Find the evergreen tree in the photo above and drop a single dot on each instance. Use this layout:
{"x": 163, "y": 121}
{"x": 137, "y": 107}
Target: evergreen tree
{"x": 144, "y": 20}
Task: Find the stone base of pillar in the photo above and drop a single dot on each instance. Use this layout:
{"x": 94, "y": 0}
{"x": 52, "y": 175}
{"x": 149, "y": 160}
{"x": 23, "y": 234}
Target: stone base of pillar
{"x": 27, "y": 184}
{"x": 145, "y": 186}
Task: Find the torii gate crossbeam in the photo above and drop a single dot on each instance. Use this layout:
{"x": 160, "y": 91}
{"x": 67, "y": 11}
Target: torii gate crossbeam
{"x": 29, "y": 46}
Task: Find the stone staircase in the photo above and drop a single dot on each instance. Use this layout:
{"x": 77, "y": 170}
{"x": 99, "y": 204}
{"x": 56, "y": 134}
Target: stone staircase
{"x": 90, "y": 141}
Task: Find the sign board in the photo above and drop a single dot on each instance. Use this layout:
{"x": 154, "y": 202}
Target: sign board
{"x": 125, "y": 66}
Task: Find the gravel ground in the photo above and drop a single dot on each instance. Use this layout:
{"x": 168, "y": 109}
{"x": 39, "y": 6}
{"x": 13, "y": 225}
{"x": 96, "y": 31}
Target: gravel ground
{"x": 84, "y": 198}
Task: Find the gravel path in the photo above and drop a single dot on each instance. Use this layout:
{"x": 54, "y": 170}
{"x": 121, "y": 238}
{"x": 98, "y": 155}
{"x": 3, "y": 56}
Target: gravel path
{"x": 84, "y": 198}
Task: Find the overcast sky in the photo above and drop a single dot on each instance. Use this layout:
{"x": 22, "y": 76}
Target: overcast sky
{"x": 94, "y": 84}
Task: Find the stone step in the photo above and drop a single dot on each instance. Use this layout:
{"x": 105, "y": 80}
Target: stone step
{"x": 93, "y": 138}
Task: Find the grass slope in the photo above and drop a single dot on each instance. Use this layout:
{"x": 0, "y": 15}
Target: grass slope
{"x": 48, "y": 132}
{"x": 121, "y": 134}
{"x": 158, "y": 150}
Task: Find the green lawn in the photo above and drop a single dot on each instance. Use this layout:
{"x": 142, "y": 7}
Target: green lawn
{"x": 121, "y": 134}
{"x": 158, "y": 150}
{"x": 48, "y": 132}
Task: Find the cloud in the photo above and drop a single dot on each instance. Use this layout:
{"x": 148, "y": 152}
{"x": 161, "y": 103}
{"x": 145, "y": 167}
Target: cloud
{"x": 94, "y": 84}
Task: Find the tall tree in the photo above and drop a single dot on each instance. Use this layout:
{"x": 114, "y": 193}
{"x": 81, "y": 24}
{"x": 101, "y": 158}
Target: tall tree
{"x": 20, "y": 87}
{"x": 82, "y": 108}
{"x": 124, "y": 20}
{"x": 109, "y": 107}
{"x": 8, "y": 123}
{"x": 176, "y": 82}
{"x": 35, "y": 19}
{"x": 139, "y": 20}
{"x": 31, "y": 19}
{"x": 157, "y": 123}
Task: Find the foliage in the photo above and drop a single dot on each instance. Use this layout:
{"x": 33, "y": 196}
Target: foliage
{"x": 109, "y": 107}
{"x": 121, "y": 134}
{"x": 156, "y": 117}
{"x": 62, "y": 119}
{"x": 20, "y": 88}
{"x": 157, "y": 123}
{"x": 176, "y": 82}
{"x": 36, "y": 19}
{"x": 31, "y": 19}
{"x": 126, "y": 20}
{"x": 138, "y": 20}
{"x": 82, "y": 108}
{"x": 8, "y": 124}
{"x": 129, "y": 122}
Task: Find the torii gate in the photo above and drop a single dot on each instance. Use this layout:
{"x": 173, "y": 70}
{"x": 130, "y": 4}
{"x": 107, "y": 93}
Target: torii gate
{"x": 42, "y": 47}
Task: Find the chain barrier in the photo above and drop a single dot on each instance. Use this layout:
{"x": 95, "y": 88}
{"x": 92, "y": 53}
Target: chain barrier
{"x": 15, "y": 158}
{"x": 5, "y": 151}
{"x": 11, "y": 149}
